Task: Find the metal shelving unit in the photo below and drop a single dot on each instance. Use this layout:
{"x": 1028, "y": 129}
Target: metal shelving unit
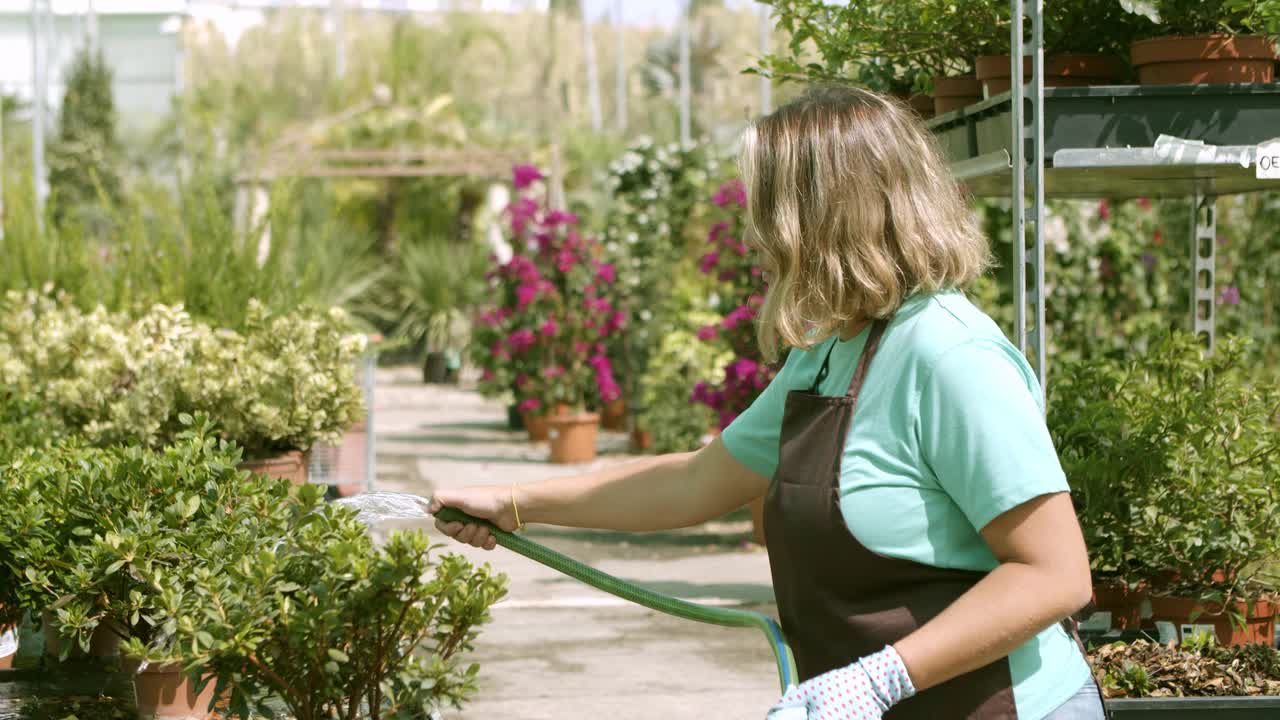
{"x": 1032, "y": 143}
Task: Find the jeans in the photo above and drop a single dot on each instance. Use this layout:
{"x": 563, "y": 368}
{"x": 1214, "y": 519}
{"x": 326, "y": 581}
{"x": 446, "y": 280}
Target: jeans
{"x": 1084, "y": 705}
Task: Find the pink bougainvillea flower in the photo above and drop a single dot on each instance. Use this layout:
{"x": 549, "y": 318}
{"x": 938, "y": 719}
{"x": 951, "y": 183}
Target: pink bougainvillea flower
{"x": 1104, "y": 210}
{"x": 529, "y": 405}
{"x": 743, "y": 368}
{"x": 560, "y": 217}
{"x": 486, "y": 375}
{"x": 550, "y": 328}
{"x": 708, "y": 332}
{"x": 521, "y": 340}
{"x": 1144, "y": 203}
{"x": 522, "y": 176}
{"x": 526, "y": 294}
{"x": 522, "y": 213}
{"x": 708, "y": 262}
{"x": 565, "y": 260}
{"x": 606, "y": 274}
{"x": 522, "y": 379}
{"x": 718, "y": 231}
{"x": 731, "y": 193}
{"x": 552, "y": 371}
{"x": 580, "y": 347}
{"x": 1230, "y": 295}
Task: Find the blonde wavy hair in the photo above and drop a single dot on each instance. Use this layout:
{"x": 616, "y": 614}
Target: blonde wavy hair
{"x": 852, "y": 210}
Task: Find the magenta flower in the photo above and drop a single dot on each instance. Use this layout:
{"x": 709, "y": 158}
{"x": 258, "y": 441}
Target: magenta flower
{"x": 520, "y": 340}
{"x": 565, "y": 260}
{"x": 552, "y": 371}
{"x": 708, "y": 332}
{"x": 560, "y": 217}
{"x": 742, "y": 368}
{"x": 525, "y": 175}
{"x": 486, "y": 375}
{"x": 550, "y": 328}
{"x": 718, "y": 231}
{"x": 1230, "y": 295}
{"x": 529, "y": 405}
{"x": 1104, "y": 210}
{"x": 526, "y": 294}
{"x": 522, "y": 379}
{"x": 606, "y": 274}
{"x": 731, "y": 193}
{"x": 708, "y": 262}
{"x": 580, "y": 347}
{"x": 522, "y": 212}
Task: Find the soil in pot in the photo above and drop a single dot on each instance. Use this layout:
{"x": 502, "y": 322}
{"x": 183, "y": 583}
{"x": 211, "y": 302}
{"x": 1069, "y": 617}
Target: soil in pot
{"x": 1259, "y": 623}
{"x": 613, "y": 417}
{"x": 164, "y": 692}
{"x": 435, "y": 371}
{"x": 573, "y": 437}
{"x": 291, "y": 466}
{"x": 1204, "y": 59}
{"x": 1184, "y": 672}
{"x": 1065, "y": 70}
{"x": 955, "y": 92}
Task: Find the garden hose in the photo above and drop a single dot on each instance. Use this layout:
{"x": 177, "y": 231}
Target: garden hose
{"x": 641, "y": 596}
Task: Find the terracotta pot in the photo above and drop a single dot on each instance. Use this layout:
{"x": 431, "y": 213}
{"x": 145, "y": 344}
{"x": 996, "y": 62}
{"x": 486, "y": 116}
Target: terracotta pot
{"x": 573, "y": 437}
{"x": 1124, "y": 604}
{"x": 351, "y": 460}
{"x": 641, "y": 440}
{"x": 291, "y": 466}
{"x": 614, "y": 416}
{"x": 955, "y": 92}
{"x": 536, "y": 426}
{"x": 1204, "y": 59}
{"x": 1065, "y": 70}
{"x": 1259, "y": 625}
{"x": 104, "y": 643}
{"x": 164, "y": 691}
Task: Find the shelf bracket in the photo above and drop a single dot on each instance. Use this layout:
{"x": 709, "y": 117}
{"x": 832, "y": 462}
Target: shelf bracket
{"x": 1027, "y": 127}
{"x": 1204, "y": 247}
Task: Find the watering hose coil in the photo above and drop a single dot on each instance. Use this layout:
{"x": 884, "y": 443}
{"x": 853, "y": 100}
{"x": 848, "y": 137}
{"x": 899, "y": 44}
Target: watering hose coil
{"x": 727, "y": 617}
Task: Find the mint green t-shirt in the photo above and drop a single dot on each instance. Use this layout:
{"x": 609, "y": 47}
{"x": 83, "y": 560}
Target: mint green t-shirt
{"x": 948, "y": 434}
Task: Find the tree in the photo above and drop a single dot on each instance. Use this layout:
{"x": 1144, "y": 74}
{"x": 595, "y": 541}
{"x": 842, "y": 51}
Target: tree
{"x": 84, "y": 159}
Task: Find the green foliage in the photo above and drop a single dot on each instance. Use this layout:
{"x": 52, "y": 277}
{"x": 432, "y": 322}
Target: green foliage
{"x": 85, "y": 157}
{"x": 335, "y": 627}
{"x": 284, "y": 382}
{"x": 1197, "y": 17}
{"x": 678, "y": 362}
{"x": 435, "y": 288}
{"x": 1172, "y": 460}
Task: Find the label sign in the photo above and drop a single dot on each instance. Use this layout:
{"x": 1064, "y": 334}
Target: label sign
{"x": 1267, "y": 165}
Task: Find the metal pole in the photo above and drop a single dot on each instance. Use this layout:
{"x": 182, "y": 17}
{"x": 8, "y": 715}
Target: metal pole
{"x": 685, "y": 121}
{"x": 339, "y": 39}
{"x": 39, "y": 94}
{"x": 1028, "y": 137}
{"x": 620, "y": 70}
{"x": 1204, "y": 242}
{"x": 593, "y": 74}
{"x": 766, "y": 37}
{"x": 91, "y": 25}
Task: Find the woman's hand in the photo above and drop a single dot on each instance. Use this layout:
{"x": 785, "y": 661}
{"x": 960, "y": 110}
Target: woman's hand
{"x": 864, "y": 690}
{"x": 487, "y": 502}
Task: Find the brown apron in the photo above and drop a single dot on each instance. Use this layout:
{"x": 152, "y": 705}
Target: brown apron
{"x": 839, "y": 601}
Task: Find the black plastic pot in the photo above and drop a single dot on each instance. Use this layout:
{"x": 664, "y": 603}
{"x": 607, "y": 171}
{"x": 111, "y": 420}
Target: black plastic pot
{"x": 515, "y": 421}
{"x": 436, "y": 370}
{"x": 1213, "y": 708}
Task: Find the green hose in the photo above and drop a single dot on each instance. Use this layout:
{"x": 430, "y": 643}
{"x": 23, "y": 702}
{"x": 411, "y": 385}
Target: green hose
{"x": 641, "y": 596}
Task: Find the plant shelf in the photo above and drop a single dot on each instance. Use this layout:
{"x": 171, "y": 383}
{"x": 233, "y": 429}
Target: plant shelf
{"x": 1211, "y": 708}
{"x": 1107, "y": 141}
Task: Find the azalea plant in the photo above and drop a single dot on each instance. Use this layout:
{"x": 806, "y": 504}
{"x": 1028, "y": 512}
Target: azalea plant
{"x": 545, "y": 337}
{"x": 740, "y": 295}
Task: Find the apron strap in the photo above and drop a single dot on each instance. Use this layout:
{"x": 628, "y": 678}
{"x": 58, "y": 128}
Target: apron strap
{"x": 864, "y": 362}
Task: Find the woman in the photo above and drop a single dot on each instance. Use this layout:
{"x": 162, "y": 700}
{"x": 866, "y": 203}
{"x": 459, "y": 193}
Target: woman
{"x": 923, "y": 545}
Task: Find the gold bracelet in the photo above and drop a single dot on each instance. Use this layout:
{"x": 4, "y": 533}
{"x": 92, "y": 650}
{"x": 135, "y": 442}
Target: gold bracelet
{"x": 516, "y": 510}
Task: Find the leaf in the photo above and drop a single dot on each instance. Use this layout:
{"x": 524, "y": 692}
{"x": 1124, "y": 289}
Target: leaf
{"x": 192, "y": 506}
{"x": 338, "y": 655}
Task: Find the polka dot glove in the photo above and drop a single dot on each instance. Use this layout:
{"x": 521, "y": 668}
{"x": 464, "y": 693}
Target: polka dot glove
{"x": 864, "y": 690}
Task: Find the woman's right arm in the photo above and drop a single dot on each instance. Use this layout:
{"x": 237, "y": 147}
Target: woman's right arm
{"x": 660, "y": 493}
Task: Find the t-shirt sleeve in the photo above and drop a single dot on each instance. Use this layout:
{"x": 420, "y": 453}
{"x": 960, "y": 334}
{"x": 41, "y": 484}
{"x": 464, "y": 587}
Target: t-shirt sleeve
{"x": 983, "y": 434}
{"x": 752, "y": 438}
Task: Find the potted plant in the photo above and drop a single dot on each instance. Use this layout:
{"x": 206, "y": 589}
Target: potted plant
{"x": 439, "y": 282}
{"x": 336, "y": 627}
{"x": 1172, "y": 460}
{"x": 1206, "y": 41}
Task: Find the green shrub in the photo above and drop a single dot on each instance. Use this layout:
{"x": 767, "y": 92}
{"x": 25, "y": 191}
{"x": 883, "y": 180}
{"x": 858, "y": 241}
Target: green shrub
{"x": 1172, "y": 458}
{"x": 335, "y": 627}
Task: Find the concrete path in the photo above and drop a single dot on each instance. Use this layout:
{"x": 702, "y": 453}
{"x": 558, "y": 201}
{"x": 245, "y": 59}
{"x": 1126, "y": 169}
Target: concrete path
{"x": 557, "y": 649}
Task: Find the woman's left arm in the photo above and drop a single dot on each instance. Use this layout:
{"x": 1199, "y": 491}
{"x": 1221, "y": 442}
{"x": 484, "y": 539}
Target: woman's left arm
{"x": 1042, "y": 578}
